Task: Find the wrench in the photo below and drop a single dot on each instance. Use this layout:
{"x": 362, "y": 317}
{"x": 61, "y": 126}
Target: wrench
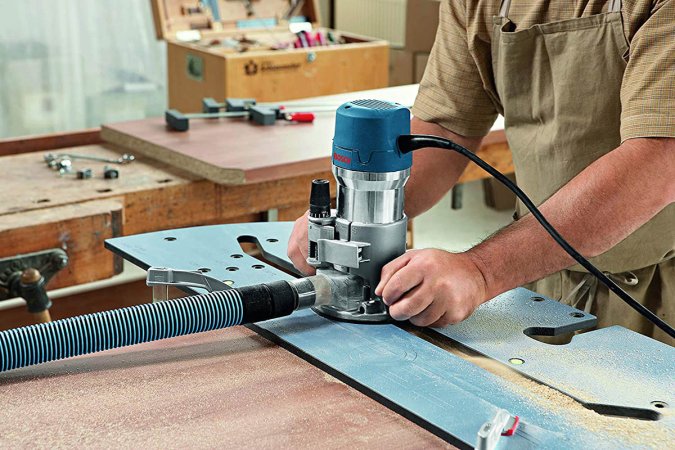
{"x": 124, "y": 159}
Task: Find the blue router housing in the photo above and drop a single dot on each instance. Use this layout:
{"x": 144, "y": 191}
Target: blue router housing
{"x": 366, "y": 133}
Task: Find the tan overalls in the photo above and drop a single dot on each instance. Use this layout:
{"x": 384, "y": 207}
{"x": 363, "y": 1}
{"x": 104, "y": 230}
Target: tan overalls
{"x": 558, "y": 85}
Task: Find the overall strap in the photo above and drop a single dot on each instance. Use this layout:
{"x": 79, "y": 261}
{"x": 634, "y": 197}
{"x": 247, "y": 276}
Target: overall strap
{"x": 504, "y": 8}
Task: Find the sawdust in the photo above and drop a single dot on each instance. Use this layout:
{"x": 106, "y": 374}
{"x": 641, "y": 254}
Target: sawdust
{"x": 647, "y": 433}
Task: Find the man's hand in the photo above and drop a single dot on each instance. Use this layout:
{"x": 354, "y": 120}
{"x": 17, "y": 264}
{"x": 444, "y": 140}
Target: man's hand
{"x": 298, "y": 246}
{"x": 432, "y": 287}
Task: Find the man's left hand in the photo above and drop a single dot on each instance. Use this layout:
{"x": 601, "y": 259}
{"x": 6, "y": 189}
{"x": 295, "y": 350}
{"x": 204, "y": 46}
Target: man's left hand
{"x": 432, "y": 287}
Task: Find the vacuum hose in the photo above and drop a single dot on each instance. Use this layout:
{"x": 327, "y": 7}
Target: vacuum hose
{"x": 36, "y": 344}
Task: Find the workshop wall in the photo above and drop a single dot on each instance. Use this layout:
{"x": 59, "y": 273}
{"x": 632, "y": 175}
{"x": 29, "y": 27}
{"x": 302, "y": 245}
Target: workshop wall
{"x": 72, "y": 64}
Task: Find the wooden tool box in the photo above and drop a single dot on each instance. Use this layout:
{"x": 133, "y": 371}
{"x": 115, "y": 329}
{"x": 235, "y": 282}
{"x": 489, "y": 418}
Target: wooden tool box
{"x": 250, "y": 52}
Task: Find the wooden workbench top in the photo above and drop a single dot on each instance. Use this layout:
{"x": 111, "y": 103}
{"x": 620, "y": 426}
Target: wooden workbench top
{"x": 226, "y": 389}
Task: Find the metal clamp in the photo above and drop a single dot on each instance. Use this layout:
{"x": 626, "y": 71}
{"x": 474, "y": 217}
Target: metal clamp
{"x": 502, "y": 424}
{"x": 160, "y": 278}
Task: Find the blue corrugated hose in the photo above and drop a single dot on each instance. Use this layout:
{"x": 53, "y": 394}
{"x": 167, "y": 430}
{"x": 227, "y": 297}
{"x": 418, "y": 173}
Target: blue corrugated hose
{"x": 36, "y": 344}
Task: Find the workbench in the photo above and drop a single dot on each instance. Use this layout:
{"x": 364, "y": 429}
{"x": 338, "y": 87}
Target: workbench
{"x": 248, "y": 174}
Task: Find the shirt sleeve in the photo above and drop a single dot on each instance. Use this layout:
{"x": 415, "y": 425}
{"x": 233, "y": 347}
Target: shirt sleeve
{"x": 451, "y": 92}
{"x": 648, "y": 87}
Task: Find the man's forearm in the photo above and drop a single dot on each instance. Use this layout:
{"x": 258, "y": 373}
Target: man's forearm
{"x": 434, "y": 171}
{"x": 597, "y": 209}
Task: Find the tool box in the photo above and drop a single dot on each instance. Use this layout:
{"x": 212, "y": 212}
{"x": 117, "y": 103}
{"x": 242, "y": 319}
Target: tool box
{"x": 270, "y": 50}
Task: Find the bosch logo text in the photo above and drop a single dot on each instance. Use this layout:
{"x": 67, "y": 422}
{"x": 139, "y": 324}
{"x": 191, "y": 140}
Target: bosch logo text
{"x": 342, "y": 159}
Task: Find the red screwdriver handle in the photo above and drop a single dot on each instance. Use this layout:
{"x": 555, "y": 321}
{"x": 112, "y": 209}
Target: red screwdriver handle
{"x": 301, "y": 117}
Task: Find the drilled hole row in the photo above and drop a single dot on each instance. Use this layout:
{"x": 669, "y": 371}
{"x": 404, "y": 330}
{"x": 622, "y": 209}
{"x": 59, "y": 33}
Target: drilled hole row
{"x": 103, "y": 191}
{"x": 171, "y": 238}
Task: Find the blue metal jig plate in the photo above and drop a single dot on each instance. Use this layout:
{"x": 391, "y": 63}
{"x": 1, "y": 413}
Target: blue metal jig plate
{"x": 442, "y": 392}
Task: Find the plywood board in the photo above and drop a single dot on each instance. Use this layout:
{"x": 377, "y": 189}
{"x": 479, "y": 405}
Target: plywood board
{"x": 235, "y": 151}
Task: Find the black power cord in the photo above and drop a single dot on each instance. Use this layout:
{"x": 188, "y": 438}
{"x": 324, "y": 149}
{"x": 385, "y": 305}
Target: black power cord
{"x": 409, "y": 143}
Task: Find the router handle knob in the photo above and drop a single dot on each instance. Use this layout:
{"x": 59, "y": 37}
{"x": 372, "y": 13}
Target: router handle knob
{"x": 319, "y": 199}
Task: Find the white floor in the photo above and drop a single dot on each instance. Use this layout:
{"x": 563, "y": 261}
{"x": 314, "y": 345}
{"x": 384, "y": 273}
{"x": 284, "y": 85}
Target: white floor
{"x": 457, "y": 230}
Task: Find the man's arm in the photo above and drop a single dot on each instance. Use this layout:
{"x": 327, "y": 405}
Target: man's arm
{"x": 434, "y": 171}
{"x": 594, "y": 211}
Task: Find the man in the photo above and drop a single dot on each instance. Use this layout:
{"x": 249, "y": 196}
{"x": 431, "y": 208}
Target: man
{"x": 587, "y": 90}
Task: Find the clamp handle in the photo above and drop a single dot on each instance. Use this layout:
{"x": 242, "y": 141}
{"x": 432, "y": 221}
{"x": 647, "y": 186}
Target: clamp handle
{"x": 160, "y": 278}
{"x": 300, "y": 117}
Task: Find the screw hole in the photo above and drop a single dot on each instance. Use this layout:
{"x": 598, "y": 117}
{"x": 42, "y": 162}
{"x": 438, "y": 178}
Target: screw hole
{"x": 165, "y": 180}
{"x": 103, "y": 191}
{"x": 43, "y": 200}
{"x": 272, "y": 240}
{"x": 659, "y": 404}
{"x": 236, "y": 256}
{"x": 517, "y": 361}
{"x": 232, "y": 269}
{"x": 537, "y": 299}
{"x": 577, "y": 314}
{"x": 348, "y": 106}
{"x": 204, "y": 270}
{"x": 258, "y": 266}
{"x": 170, "y": 238}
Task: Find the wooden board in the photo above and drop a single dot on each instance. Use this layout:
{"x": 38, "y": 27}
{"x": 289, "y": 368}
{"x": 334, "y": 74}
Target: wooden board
{"x": 232, "y": 152}
{"x": 226, "y": 389}
{"x": 25, "y": 144}
{"x": 78, "y": 229}
{"x": 235, "y": 151}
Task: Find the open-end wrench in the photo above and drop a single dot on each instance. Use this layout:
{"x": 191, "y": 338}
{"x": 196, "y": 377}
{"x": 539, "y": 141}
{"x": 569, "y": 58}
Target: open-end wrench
{"x": 124, "y": 159}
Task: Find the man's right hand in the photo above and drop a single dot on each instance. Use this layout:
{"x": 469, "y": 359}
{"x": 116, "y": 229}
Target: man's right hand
{"x": 298, "y": 246}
